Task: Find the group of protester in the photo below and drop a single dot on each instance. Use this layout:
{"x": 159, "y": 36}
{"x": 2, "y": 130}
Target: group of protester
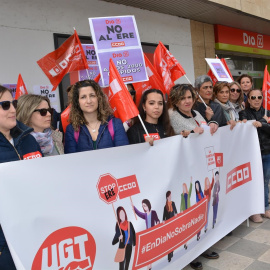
{"x": 26, "y": 129}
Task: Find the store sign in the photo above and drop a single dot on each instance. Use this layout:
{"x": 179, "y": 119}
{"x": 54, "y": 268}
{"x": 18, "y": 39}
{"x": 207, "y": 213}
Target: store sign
{"x": 233, "y": 39}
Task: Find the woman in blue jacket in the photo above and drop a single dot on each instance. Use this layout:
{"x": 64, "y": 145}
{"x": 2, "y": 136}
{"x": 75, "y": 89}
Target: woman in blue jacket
{"x": 16, "y": 143}
{"x": 92, "y": 125}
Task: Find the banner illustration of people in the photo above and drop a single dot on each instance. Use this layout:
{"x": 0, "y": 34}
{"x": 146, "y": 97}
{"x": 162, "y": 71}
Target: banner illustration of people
{"x": 84, "y": 202}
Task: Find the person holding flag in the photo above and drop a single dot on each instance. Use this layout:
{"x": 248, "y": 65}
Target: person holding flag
{"x": 92, "y": 125}
{"x": 155, "y": 117}
{"x": 255, "y": 111}
{"x": 211, "y": 111}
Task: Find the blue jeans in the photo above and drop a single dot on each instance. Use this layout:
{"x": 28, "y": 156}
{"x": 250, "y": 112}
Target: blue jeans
{"x": 266, "y": 175}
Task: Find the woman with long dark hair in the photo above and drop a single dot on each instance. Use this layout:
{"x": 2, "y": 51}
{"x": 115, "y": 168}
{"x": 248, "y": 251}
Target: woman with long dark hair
{"x": 154, "y": 114}
{"x": 92, "y": 125}
{"x": 126, "y": 237}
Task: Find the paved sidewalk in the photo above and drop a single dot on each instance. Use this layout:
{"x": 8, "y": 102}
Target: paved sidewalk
{"x": 247, "y": 248}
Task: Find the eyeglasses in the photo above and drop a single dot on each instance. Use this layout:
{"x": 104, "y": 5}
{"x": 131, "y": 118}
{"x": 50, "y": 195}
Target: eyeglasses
{"x": 237, "y": 90}
{"x": 6, "y": 104}
{"x": 43, "y": 112}
{"x": 254, "y": 97}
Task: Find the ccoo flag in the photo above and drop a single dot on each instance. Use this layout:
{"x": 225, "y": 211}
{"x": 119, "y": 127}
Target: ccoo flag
{"x": 155, "y": 81}
{"x": 119, "y": 97}
{"x": 20, "y": 88}
{"x": 167, "y": 66}
{"x": 68, "y": 57}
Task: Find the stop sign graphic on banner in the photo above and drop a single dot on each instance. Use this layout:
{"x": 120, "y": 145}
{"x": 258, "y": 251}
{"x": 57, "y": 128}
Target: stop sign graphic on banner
{"x": 107, "y": 188}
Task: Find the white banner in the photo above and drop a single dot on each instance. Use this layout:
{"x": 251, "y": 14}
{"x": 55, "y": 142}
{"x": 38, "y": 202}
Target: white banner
{"x": 58, "y": 212}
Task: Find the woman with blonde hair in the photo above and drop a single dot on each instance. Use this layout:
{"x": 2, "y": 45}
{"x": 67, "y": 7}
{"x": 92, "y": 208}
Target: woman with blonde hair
{"x": 92, "y": 125}
{"x": 237, "y": 96}
{"x": 35, "y": 111}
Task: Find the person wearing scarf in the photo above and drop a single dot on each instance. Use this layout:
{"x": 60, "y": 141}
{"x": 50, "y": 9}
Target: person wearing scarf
{"x": 169, "y": 212}
{"x": 221, "y": 95}
{"x": 125, "y": 235}
{"x": 35, "y": 111}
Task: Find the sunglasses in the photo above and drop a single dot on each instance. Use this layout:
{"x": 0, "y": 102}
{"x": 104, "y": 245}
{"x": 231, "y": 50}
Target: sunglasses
{"x": 254, "y": 97}
{"x": 43, "y": 112}
{"x": 237, "y": 90}
{"x": 6, "y": 104}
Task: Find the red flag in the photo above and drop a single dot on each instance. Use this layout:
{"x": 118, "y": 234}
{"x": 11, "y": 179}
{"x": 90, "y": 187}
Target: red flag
{"x": 155, "y": 81}
{"x": 119, "y": 97}
{"x": 68, "y": 57}
{"x": 97, "y": 78}
{"x": 213, "y": 77}
{"x": 266, "y": 88}
{"x": 167, "y": 66}
{"x": 65, "y": 118}
{"x": 20, "y": 88}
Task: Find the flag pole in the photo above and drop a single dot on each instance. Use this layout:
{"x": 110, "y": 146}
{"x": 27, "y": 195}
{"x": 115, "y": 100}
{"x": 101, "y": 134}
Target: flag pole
{"x": 196, "y": 92}
{"x": 265, "y": 108}
{"x": 86, "y": 69}
{"x": 141, "y": 121}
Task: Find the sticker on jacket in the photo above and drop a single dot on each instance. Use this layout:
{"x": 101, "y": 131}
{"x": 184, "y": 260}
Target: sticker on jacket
{"x": 153, "y": 135}
{"x": 32, "y": 155}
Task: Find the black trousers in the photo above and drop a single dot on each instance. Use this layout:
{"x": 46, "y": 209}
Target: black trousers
{"x": 125, "y": 264}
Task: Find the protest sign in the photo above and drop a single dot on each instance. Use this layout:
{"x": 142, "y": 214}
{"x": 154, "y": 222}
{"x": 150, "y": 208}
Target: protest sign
{"x": 218, "y": 69}
{"x": 118, "y": 38}
{"x": 61, "y": 222}
{"x": 46, "y": 91}
{"x": 11, "y": 87}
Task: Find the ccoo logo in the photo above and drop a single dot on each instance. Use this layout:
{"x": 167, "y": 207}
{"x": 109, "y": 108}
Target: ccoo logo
{"x": 68, "y": 248}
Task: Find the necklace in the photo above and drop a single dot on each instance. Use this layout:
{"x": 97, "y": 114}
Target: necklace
{"x": 95, "y": 128}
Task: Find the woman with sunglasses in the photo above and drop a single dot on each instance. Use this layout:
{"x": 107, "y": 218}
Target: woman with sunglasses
{"x": 16, "y": 143}
{"x": 35, "y": 111}
{"x": 237, "y": 97}
{"x": 154, "y": 114}
{"x": 92, "y": 125}
{"x": 255, "y": 111}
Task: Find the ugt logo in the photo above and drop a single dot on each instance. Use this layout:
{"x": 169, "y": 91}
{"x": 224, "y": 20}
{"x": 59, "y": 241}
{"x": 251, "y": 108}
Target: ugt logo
{"x": 68, "y": 248}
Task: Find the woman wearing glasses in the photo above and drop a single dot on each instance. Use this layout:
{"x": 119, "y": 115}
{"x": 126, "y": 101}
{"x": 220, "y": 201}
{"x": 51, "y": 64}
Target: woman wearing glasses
{"x": 16, "y": 143}
{"x": 255, "y": 111}
{"x": 236, "y": 97}
{"x": 92, "y": 125}
{"x": 35, "y": 111}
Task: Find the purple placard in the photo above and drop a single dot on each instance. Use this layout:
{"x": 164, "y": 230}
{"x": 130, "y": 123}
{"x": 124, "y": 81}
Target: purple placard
{"x": 115, "y": 32}
{"x": 91, "y": 58}
{"x": 219, "y": 70}
{"x": 130, "y": 64}
{"x": 12, "y": 87}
